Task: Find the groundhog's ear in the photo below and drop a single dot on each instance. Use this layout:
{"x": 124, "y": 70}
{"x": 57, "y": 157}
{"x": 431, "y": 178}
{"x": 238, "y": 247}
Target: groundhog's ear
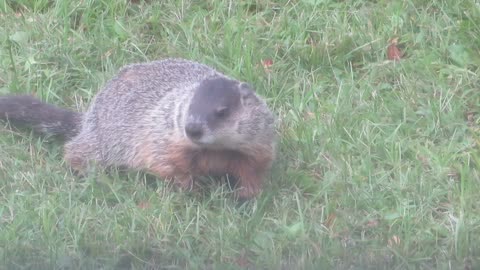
{"x": 247, "y": 93}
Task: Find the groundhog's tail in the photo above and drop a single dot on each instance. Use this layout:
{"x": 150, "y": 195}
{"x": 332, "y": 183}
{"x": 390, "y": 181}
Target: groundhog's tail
{"x": 41, "y": 117}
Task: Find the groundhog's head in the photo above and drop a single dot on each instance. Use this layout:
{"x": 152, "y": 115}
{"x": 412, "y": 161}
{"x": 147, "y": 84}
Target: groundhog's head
{"x": 226, "y": 113}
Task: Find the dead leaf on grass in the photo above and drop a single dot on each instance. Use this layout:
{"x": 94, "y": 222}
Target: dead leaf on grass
{"x": 143, "y": 205}
{"x": 393, "y": 52}
{"x": 267, "y": 64}
{"x": 309, "y": 115}
{"x": 394, "y": 241}
{"x": 330, "y": 221}
{"x": 372, "y": 223}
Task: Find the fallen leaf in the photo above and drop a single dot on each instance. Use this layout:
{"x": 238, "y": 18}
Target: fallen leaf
{"x": 330, "y": 220}
{"x": 242, "y": 260}
{"x": 393, "y": 52}
{"x": 267, "y": 63}
{"x": 143, "y": 205}
{"x": 470, "y": 118}
{"x": 309, "y": 115}
{"x": 372, "y": 223}
{"x": 394, "y": 241}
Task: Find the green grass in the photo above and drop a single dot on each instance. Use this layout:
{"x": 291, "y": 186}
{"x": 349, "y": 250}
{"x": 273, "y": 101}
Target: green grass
{"x": 378, "y": 165}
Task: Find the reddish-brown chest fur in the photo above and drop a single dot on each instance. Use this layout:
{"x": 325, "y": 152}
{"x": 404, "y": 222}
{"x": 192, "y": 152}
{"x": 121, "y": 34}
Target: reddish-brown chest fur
{"x": 184, "y": 161}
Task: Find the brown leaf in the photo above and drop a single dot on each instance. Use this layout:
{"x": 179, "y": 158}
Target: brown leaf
{"x": 393, "y": 52}
{"x": 267, "y": 63}
{"x": 394, "y": 241}
{"x": 143, "y": 205}
{"x": 330, "y": 220}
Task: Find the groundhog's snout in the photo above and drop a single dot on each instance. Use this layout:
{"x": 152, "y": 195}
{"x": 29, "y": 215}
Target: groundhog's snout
{"x": 194, "y": 131}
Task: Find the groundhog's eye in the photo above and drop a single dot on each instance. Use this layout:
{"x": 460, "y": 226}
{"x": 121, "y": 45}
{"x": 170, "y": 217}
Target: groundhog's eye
{"x": 221, "y": 112}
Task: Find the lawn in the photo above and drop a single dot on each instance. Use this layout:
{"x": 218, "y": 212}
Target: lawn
{"x": 378, "y": 164}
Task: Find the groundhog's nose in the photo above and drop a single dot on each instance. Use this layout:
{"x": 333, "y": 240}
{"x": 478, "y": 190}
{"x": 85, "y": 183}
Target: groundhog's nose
{"x": 194, "y": 130}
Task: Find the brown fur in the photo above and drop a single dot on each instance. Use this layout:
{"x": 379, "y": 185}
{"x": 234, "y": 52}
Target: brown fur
{"x": 185, "y": 162}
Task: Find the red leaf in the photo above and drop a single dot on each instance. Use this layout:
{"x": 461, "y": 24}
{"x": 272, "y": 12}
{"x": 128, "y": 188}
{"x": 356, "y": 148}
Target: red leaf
{"x": 393, "y": 52}
{"x": 267, "y": 63}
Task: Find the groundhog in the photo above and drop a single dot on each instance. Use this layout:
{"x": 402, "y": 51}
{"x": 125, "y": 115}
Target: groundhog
{"x": 173, "y": 118}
